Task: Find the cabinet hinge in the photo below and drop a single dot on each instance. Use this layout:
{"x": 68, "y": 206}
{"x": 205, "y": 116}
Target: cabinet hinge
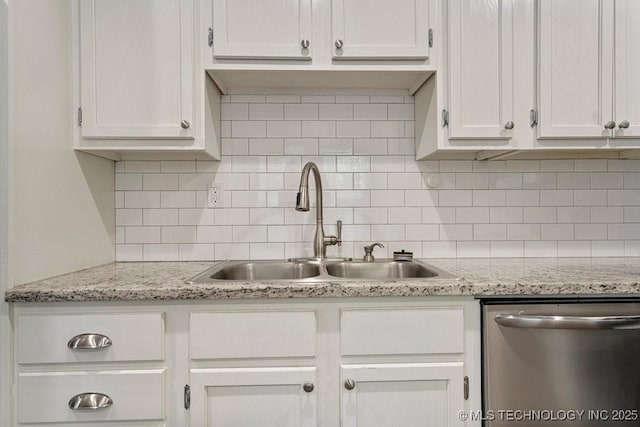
{"x": 466, "y": 387}
{"x": 187, "y": 396}
{"x": 533, "y": 117}
{"x": 79, "y": 116}
{"x": 210, "y": 37}
{"x": 430, "y": 37}
{"x": 445, "y": 118}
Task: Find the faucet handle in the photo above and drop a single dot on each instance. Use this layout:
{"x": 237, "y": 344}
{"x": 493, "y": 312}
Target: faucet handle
{"x": 339, "y": 232}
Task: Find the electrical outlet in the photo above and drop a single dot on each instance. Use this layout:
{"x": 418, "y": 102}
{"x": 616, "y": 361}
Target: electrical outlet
{"x": 214, "y": 195}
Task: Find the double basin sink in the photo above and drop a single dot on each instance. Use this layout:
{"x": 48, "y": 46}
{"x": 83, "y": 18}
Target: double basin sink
{"x": 319, "y": 271}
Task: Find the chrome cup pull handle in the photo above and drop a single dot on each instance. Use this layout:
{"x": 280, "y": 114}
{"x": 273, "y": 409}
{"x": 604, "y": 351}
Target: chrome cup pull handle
{"x": 89, "y": 342}
{"x": 90, "y": 402}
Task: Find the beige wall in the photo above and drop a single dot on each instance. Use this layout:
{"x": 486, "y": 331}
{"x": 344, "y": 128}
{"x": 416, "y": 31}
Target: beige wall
{"x": 61, "y": 202}
{"x": 5, "y": 331}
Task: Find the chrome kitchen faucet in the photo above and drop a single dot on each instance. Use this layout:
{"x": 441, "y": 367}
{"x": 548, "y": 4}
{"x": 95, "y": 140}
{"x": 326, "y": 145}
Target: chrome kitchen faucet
{"x": 320, "y": 241}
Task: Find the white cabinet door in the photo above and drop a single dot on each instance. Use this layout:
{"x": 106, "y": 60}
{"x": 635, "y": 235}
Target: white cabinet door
{"x": 253, "y": 397}
{"x": 481, "y": 69}
{"x": 576, "y": 68}
{"x": 407, "y": 395}
{"x": 380, "y": 29}
{"x": 627, "y": 65}
{"x": 136, "y": 68}
{"x": 262, "y": 29}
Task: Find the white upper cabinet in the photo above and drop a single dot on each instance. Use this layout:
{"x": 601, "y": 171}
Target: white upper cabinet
{"x": 480, "y": 64}
{"x": 136, "y": 68}
{"x": 380, "y": 29}
{"x": 627, "y": 66}
{"x": 576, "y": 68}
{"x": 262, "y": 29}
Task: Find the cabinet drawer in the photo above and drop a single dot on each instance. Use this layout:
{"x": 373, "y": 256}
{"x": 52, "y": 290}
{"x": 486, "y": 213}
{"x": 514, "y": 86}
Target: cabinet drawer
{"x": 390, "y": 331}
{"x": 45, "y": 338}
{"x": 252, "y": 334}
{"x": 136, "y": 395}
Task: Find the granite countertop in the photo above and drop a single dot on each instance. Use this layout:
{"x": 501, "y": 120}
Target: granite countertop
{"x": 476, "y": 277}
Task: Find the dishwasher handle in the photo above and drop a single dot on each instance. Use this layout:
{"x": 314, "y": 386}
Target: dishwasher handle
{"x": 567, "y": 322}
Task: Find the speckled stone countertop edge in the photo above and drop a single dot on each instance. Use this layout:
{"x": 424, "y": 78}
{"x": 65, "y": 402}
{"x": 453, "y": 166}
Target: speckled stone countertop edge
{"x": 482, "y": 278}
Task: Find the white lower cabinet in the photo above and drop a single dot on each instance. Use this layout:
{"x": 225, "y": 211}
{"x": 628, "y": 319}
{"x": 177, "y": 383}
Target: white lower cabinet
{"x": 254, "y": 397}
{"x": 362, "y": 362}
{"x": 402, "y": 394}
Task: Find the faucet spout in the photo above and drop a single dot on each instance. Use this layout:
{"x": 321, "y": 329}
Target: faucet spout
{"x": 320, "y": 241}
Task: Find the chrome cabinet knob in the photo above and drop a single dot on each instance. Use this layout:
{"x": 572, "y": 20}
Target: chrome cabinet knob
{"x": 509, "y": 125}
{"x": 304, "y": 43}
{"x": 339, "y": 44}
{"x": 89, "y": 402}
{"x": 624, "y": 124}
{"x": 349, "y": 384}
{"x": 89, "y": 342}
{"x": 185, "y": 124}
{"x": 308, "y": 387}
{"x": 610, "y": 125}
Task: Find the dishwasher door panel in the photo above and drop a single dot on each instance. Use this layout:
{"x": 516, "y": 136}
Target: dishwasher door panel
{"x": 536, "y": 369}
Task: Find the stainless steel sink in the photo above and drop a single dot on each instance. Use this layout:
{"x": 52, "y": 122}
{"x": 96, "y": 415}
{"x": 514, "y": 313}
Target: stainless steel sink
{"x": 380, "y": 270}
{"x": 258, "y": 270}
{"x": 318, "y": 271}
{"x": 384, "y": 270}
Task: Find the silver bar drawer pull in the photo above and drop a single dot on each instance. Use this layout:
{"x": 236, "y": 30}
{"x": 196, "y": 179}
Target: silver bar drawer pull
{"x": 568, "y": 322}
{"x": 89, "y": 342}
{"x": 90, "y": 402}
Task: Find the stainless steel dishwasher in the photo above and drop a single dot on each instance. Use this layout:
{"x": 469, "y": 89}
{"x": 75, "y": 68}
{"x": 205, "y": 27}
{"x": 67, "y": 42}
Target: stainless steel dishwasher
{"x": 561, "y": 363}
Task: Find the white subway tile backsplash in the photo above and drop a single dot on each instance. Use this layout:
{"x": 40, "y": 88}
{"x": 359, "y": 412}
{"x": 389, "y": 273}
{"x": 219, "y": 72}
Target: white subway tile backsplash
{"x": 618, "y": 198}
{"x": 370, "y": 216}
{"x": 556, "y": 232}
{"x": 455, "y": 198}
{"x": 571, "y": 249}
{"x": 196, "y": 252}
{"x": 506, "y": 215}
{"x": 489, "y": 232}
{"x": 127, "y": 252}
{"x": 140, "y": 166}
{"x": 370, "y": 146}
{"x": 264, "y": 112}
{"x": 472, "y": 215}
{"x": 507, "y": 249}
{"x": 266, "y": 146}
{"x": 301, "y": 112}
{"x": 338, "y": 146}
{"x": 336, "y": 112}
{"x": 370, "y": 112}
{"x": 304, "y": 146}
{"x": 632, "y": 180}
{"x": 129, "y": 216}
{"x": 160, "y": 181}
{"x": 364, "y": 147}
{"x": 142, "y": 235}
{"x": 237, "y": 111}
{"x": 473, "y": 250}
{"x": 214, "y": 234}
{"x": 387, "y": 198}
{"x": 405, "y": 215}
{"x": 540, "y": 249}
{"x": 180, "y": 234}
{"x": 141, "y": 199}
{"x": 128, "y": 181}
{"x": 590, "y": 165}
